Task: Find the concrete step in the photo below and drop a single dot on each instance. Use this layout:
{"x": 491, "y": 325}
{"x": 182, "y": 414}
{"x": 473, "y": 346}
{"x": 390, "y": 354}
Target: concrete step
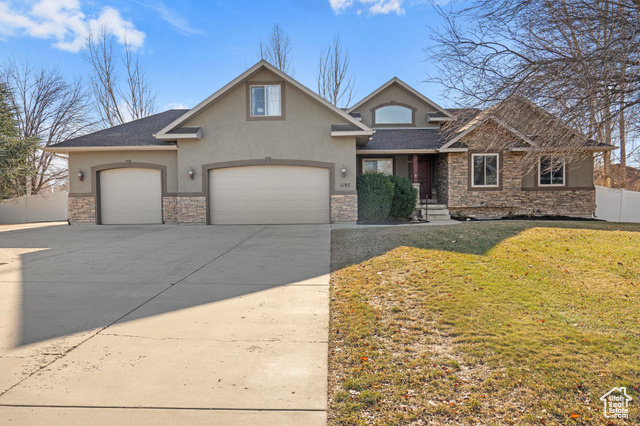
{"x": 433, "y": 206}
{"x": 432, "y": 212}
{"x": 438, "y": 215}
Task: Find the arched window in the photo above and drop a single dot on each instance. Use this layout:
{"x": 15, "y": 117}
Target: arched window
{"x": 393, "y": 114}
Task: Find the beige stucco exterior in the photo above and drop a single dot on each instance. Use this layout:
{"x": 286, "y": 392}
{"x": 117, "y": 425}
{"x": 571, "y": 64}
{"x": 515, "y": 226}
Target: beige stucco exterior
{"x": 85, "y": 161}
{"x": 579, "y": 174}
{"x": 221, "y": 133}
{"x": 397, "y": 94}
{"x": 231, "y": 138}
{"x": 304, "y": 134}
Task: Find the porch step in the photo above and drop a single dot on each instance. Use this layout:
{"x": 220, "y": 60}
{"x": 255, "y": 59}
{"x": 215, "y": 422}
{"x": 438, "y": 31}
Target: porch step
{"x": 432, "y": 212}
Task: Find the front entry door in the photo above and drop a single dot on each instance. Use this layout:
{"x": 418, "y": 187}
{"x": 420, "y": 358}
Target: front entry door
{"x": 425, "y": 175}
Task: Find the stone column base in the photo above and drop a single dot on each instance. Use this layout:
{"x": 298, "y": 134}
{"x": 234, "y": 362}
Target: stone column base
{"x": 169, "y": 210}
{"x": 82, "y": 209}
{"x": 191, "y": 209}
{"x": 344, "y": 208}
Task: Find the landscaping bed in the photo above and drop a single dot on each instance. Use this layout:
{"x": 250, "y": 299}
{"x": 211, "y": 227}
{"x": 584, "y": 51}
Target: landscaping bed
{"x": 500, "y": 322}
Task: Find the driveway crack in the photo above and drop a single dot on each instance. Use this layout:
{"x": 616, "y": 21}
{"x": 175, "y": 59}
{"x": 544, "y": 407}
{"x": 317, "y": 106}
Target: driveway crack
{"x": 219, "y": 256}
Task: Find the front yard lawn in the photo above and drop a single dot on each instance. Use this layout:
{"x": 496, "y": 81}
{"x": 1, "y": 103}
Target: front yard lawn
{"x": 513, "y": 322}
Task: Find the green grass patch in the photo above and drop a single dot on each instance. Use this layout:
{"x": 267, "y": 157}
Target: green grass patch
{"x": 484, "y": 323}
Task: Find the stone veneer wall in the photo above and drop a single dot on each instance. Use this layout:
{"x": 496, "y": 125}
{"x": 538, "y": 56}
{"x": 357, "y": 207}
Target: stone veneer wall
{"x": 169, "y": 210}
{"x": 442, "y": 178}
{"x": 344, "y": 208}
{"x": 191, "y": 209}
{"x": 82, "y": 209}
{"x": 511, "y": 199}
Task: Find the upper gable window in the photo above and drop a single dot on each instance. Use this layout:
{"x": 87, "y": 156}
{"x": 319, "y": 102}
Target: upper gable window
{"x": 266, "y": 101}
{"x": 393, "y": 114}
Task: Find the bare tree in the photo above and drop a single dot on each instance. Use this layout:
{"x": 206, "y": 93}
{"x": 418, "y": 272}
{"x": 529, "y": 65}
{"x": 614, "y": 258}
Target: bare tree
{"x": 578, "y": 59}
{"x": 117, "y": 102}
{"x": 47, "y": 108}
{"x": 277, "y": 50}
{"x": 335, "y": 84}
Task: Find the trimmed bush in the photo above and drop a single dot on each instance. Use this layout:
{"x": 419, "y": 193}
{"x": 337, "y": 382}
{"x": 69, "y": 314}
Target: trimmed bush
{"x": 375, "y": 194}
{"x": 404, "y": 197}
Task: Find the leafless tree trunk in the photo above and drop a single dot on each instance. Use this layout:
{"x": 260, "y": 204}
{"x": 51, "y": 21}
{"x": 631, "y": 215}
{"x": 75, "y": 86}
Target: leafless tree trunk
{"x": 117, "y": 103}
{"x": 578, "y": 59}
{"x": 50, "y": 109}
{"x": 335, "y": 84}
{"x": 277, "y": 50}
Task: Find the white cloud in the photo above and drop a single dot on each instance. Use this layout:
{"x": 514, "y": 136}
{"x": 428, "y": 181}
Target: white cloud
{"x": 64, "y": 21}
{"x": 374, "y": 7}
{"x": 338, "y": 5}
{"x": 170, "y": 16}
{"x": 175, "y": 105}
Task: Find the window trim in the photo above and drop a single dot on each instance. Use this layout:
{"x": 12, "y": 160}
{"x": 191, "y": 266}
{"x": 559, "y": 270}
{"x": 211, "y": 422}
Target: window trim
{"x": 282, "y": 115}
{"x": 564, "y": 171}
{"x": 393, "y": 103}
{"x": 484, "y": 154}
{"x": 379, "y": 159}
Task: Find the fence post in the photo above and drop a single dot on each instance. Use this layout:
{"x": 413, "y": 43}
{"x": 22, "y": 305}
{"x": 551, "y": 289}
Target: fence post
{"x": 621, "y": 205}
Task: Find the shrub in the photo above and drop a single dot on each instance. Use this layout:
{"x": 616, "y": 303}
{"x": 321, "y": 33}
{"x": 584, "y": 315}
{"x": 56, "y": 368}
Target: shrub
{"x": 375, "y": 194}
{"x": 404, "y": 197}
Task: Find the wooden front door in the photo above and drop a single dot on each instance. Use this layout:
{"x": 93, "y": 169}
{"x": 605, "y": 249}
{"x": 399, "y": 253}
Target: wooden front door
{"x": 425, "y": 175}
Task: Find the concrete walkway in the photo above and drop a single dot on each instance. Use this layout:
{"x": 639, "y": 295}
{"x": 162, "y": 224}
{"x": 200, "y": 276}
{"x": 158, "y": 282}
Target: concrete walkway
{"x": 164, "y": 324}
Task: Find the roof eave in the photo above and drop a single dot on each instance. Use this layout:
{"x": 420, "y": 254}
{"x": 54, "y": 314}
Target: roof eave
{"x": 67, "y": 149}
{"x": 453, "y": 150}
{"x": 396, "y": 151}
{"x": 338, "y": 134}
{"x": 174, "y": 136}
{"x": 438, "y": 119}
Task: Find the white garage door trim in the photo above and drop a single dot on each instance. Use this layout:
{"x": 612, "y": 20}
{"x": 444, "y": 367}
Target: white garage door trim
{"x": 269, "y": 194}
{"x": 130, "y": 196}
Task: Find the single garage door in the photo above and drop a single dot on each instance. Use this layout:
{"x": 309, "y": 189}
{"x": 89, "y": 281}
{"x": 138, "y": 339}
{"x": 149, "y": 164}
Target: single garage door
{"x": 130, "y": 196}
{"x": 269, "y": 195}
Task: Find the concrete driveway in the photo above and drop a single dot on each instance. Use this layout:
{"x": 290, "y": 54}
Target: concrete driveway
{"x": 164, "y": 324}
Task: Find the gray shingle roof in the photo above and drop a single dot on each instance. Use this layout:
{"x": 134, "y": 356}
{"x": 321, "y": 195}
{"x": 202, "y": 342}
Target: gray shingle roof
{"x": 184, "y": 130}
{"x": 135, "y": 133}
{"x": 395, "y": 139}
{"x": 345, "y": 128}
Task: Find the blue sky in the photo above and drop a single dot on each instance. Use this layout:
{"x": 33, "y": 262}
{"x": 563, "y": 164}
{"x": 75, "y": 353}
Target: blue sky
{"x": 192, "y": 48}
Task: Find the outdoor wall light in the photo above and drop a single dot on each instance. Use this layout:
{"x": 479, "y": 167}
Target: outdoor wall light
{"x": 80, "y": 175}
{"x": 191, "y": 173}
{"x": 344, "y": 171}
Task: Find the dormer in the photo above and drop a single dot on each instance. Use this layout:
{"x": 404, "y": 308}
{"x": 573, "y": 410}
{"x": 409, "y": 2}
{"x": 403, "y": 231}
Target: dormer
{"x": 397, "y": 105}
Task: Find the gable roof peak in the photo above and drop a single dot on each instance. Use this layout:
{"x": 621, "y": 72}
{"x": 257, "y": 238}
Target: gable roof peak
{"x": 259, "y": 66}
{"x": 405, "y": 86}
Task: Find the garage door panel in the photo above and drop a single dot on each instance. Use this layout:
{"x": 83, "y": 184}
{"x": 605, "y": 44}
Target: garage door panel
{"x": 130, "y": 196}
{"x": 269, "y": 194}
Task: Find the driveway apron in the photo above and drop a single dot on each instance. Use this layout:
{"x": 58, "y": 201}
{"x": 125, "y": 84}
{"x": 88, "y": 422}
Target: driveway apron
{"x": 164, "y": 324}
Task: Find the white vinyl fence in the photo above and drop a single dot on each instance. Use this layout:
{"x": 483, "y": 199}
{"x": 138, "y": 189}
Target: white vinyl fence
{"x": 49, "y": 207}
{"x": 617, "y": 205}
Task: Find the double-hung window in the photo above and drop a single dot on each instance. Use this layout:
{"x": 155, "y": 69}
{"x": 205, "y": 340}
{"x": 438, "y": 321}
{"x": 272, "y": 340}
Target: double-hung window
{"x": 485, "y": 170}
{"x": 551, "y": 171}
{"x": 266, "y": 100}
{"x": 378, "y": 165}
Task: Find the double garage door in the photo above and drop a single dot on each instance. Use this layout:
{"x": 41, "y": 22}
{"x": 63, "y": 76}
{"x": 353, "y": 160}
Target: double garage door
{"x": 269, "y": 195}
{"x": 237, "y": 195}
